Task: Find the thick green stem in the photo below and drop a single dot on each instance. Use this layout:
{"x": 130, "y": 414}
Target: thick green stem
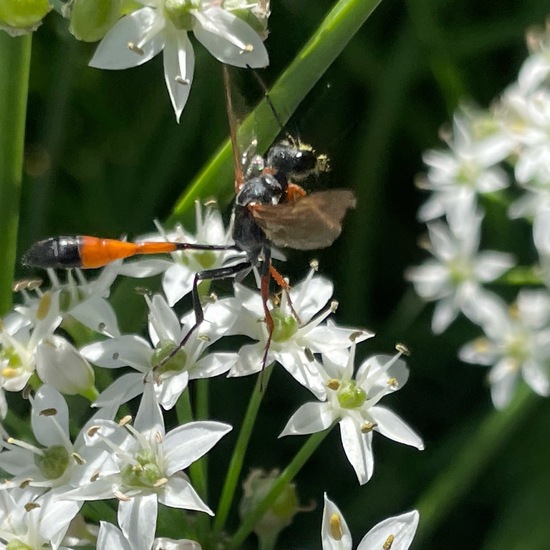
{"x": 236, "y": 464}
{"x": 482, "y": 446}
{"x": 15, "y": 60}
{"x": 281, "y": 482}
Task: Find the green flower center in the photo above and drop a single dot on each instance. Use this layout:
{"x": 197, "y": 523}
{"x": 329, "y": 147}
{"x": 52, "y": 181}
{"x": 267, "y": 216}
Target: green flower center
{"x": 179, "y": 13}
{"x": 285, "y": 326}
{"x": 16, "y": 544}
{"x": 10, "y": 357}
{"x": 206, "y": 258}
{"x": 350, "y": 395}
{"x": 176, "y": 363}
{"x": 146, "y": 473}
{"x": 54, "y": 462}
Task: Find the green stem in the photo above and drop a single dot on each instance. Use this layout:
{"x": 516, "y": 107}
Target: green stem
{"x": 197, "y": 470}
{"x": 334, "y": 33}
{"x": 15, "y": 60}
{"x": 236, "y": 464}
{"x": 281, "y": 482}
{"x": 482, "y": 446}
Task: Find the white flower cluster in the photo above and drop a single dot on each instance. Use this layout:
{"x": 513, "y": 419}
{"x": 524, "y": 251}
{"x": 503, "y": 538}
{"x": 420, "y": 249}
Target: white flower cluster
{"x": 163, "y": 25}
{"x": 135, "y": 460}
{"x": 507, "y": 146}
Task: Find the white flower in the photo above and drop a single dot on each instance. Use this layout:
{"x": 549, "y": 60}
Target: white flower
{"x": 454, "y": 276}
{"x": 56, "y": 462}
{"x": 468, "y": 168}
{"x": 536, "y": 68}
{"x": 526, "y": 118}
{"x": 145, "y": 468}
{"x": 20, "y": 337}
{"x": 294, "y": 340}
{"x": 396, "y": 533}
{"x": 163, "y": 25}
{"x": 171, "y": 379}
{"x": 111, "y": 537}
{"x": 180, "y": 271}
{"x": 77, "y": 299}
{"x": 516, "y": 342}
{"x": 30, "y": 521}
{"x": 354, "y": 404}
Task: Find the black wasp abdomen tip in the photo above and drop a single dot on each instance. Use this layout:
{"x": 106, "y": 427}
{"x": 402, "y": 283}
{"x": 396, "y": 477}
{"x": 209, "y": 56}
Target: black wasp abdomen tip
{"x": 56, "y": 252}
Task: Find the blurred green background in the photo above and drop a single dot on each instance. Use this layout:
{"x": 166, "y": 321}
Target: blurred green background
{"x": 104, "y": 156}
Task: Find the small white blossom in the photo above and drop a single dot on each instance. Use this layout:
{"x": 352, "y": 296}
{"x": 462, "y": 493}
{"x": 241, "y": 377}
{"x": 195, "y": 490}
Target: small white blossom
{"x": 353, "y": 402}
{"x": 163, "y": 25}
{"x": 294, "y": 339}
{"x": 516, "y": 343}
{"x": 56, "y": 462}
{"x": 468, "y": 168}
{"x": 453, "y": 277}
{"x": 28, "y": 520}
{"x": 21, "y": 334}
{"x": 180, "y": 271}
{"x": 396, "y": 533}
{"x": 166, "y": 332}
{"x": 145, "y": 468}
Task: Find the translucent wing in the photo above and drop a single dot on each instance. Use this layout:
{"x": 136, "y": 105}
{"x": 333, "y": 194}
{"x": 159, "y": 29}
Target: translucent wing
{"x": 237, "y": 161}
{"x": 309, "y": 223}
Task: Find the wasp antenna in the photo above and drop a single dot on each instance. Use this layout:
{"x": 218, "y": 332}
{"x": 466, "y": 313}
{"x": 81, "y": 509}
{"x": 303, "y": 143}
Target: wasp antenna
{"x": 270, "y": 104}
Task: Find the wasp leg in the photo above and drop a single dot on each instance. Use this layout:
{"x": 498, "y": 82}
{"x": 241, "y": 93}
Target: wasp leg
{"x": 207, "y": 274}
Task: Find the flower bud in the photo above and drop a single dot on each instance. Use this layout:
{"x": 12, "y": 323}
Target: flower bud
{"x": 60, "y": 365}
{"x": 21, "y": 16}
{"x": 280, "y": 515}
{"x": 91, "y": 19}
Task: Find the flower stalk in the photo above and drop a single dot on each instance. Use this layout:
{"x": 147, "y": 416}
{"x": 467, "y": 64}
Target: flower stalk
{"x": 279, "y": 485}
{"x": 15, "y": 59}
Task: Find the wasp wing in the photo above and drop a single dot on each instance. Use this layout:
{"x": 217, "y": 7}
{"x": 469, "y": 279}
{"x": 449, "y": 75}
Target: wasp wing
{"x": 309, "y": 223}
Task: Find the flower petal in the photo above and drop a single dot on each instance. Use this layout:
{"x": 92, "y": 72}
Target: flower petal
{"x": 229, "y": 39}
{"x": 179, "y": 493}
{"x": 137, "y": 518}
{"x": 330, "y": 540}
{"x": 113, "y": 53}
{"x": 185, "y": 444}
{"x": 358, "y": 448}
{"x": 309, "y": 418}
{"x": 179, "y": 64}
{"x": 393, "y": 427}
{"x": 402, "y": 528}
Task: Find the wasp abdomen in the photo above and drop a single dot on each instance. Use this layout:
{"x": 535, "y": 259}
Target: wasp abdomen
{"x": 57, "y": 252}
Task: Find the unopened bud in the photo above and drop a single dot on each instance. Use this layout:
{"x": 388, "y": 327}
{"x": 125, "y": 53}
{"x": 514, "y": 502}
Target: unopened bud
{"x": 60, "y": 365}
{"x": 280, "y": 515}
{"x": 21, "y": 16}
{"x": 91, "y": 19}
